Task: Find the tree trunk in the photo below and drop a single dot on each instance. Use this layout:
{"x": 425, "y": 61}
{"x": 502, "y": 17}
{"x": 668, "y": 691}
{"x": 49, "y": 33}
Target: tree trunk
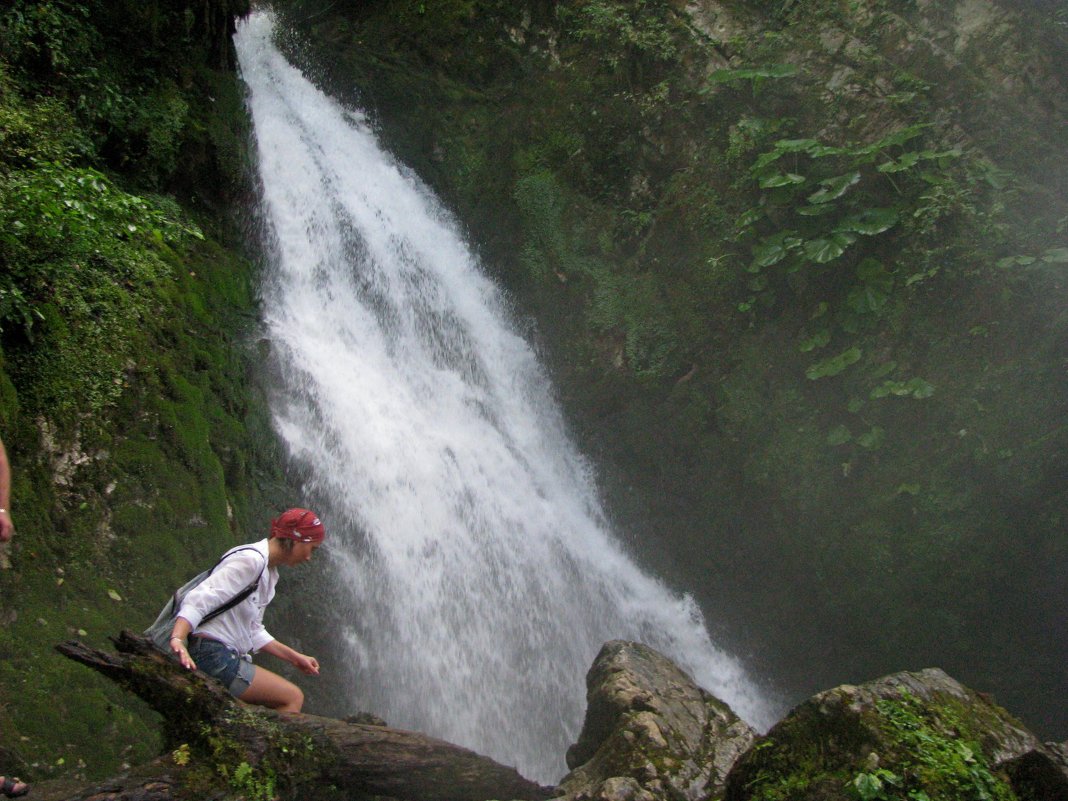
{"x": 300, "y": 753}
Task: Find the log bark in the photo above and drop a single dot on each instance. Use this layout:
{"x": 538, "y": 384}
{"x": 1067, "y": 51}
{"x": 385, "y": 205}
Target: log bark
{"x": 359, "y": 759}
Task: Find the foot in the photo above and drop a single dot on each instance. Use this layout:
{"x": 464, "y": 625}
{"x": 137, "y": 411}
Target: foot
{"x": 13, "y": 788}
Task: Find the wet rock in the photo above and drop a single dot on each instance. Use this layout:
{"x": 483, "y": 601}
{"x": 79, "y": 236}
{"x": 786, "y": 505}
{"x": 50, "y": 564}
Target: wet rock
{"x": 650, "y": 732}
{"x": 903, "y": 734}
{"x": 1041, "y": 773}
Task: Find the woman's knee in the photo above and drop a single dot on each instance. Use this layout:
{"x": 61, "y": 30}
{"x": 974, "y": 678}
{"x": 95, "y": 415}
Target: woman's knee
{"x": 296, "y": 698}
{"x": 271, "y": 690}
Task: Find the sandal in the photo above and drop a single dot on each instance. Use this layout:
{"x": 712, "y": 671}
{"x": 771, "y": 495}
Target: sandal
{"x": 8, "y": 787}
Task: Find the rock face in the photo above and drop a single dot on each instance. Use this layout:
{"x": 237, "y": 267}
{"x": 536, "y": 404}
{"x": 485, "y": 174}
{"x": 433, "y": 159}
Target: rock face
{"x": 650, "y": 732}
{"x": 903, "y": 735}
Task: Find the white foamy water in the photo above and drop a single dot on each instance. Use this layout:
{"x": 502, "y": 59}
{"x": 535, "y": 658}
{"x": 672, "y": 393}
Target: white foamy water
{"x": 477, "y": 576}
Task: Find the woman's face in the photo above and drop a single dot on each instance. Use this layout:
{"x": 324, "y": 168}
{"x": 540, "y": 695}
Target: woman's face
{"x": 301, "y": 552}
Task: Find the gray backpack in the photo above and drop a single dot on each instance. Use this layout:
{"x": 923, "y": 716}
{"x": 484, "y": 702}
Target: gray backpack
{"x": 160, "y": 631}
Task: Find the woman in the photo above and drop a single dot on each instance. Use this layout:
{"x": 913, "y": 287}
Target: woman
{"x": 222, "y": 646}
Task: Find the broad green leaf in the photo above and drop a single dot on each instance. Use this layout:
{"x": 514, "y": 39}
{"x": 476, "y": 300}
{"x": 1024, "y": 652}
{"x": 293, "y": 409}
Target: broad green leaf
{"x": 872, "y": 439}
{"x": 921, "y": 388}
{"x": 839, "y": 435}
{"x": 918, "y": 388}
{"x": 834, "y": 365}
{"x": 765, "y": 159}
{"x": 781, "y": 179}
{"x": 905, "y": 162}
{"x": 866, "y": 299}
{"x": 868, "y": 786}
{"x": 834, "y": 188}
{"x": 1056, "y": 256}
{"x": 748, "y": 218}
{"x": 766, "y": 255}
{"x": 870, "y": 222}
{"x": 796, "y": 145}
{"x": 817, "y": 340}
{"x": 874, "y": 290}
{"x": 815, "y": 211}
{"x": 773, "y": 250}
{"x": 828, "y": 248}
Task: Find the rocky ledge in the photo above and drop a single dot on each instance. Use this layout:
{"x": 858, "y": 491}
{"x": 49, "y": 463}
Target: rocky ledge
{"x": 651, "y": 733}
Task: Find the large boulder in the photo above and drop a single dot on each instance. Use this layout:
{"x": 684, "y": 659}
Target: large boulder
{"x": 650, "y": 732}
{"x": 1041, "y": 774}
{"x": 908, "y": 735}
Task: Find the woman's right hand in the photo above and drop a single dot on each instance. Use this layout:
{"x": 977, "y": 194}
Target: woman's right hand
{"x": 180, "y": 651}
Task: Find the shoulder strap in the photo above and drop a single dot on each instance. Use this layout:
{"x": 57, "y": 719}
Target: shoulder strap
{"x": 245, "y": 593}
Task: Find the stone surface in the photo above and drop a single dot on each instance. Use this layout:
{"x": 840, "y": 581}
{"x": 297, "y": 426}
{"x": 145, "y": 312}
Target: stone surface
{"x": 1041, "y": 773}
{"x": 922, "y": 730}
{"x": 650, "y": 732}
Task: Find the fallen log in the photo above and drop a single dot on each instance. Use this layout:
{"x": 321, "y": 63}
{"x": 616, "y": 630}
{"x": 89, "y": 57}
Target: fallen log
{"x": 294, "y": 754}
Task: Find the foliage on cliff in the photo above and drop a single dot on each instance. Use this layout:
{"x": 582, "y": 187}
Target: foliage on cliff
{"x": 798, "y": 267}
{"x": 138, "y": 448}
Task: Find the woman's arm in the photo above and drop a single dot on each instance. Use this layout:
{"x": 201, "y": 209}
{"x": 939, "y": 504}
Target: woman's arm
{"x": 303, "y": 662}
{"x": 179, "y": 635}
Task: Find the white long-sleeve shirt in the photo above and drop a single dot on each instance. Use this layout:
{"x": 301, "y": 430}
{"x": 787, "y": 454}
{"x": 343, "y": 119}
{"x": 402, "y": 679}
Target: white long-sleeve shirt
{"x": 242, "y": 626}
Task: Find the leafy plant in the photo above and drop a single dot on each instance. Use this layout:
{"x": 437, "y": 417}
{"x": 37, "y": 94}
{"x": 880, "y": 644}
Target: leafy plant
{"x": 834, "y": 365}
{"x": 873, "y": 786}
{"x": 941, "y": 760}
{"x": 756, "y": 76}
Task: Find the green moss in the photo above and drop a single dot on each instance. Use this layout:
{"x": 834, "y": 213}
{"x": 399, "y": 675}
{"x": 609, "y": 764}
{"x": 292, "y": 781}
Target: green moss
{"x": 937, "y": 753}
{"x": 139, "y": 450}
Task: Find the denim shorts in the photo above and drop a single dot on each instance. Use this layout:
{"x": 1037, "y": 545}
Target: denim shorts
{"x": 222, "y": 662}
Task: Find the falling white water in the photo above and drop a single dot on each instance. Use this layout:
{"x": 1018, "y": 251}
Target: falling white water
{"x": 478, "y": 577}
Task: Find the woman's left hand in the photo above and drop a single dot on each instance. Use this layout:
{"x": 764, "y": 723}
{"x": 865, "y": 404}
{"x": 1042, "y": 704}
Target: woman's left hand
{"x": 306, "y": 664}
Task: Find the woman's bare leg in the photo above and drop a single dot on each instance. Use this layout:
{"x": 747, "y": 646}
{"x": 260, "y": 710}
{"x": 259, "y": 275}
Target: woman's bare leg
{"x": 271, "y": 690}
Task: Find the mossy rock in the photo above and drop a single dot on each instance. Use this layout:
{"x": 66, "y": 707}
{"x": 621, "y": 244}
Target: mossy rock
{"x": 910, "y": 735}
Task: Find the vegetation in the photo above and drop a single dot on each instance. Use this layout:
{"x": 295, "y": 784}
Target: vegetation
{"x": 139, "y": 450}
{"x": 796, "y": 288}
{"x": 895, "y": 748}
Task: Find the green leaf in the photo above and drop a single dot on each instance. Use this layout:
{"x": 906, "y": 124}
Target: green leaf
{"x": 917, "y": 388}
{"x": 839, "y": 435}
{"x": 797, "y": 145}
{"x": 773, "y": 250}
{"x": 868, "y": 786}
{"x": 815, "y": 211}
{"x": 870, "y": 222}
{"x": 834, "y": 365}
{"x": 817, "y": 340}
{"x": 1056, "y": 256}
{"x": 781, "y": 179}
{"x": 834, "y": 188}
{"x": 903, "y": 163}
{"x": 730, "y": 77}
{"x": 872, "y": 439}
{"x": 828, "y": 248}
{"x": 748, "y": 218}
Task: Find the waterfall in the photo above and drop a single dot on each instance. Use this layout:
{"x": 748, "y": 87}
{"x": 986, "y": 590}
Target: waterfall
{"x": 476, "y": 575}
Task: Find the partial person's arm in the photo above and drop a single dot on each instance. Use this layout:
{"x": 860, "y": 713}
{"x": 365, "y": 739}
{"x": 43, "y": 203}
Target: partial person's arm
{"x": 178, "y": 643}
{"x": 7, "y": 527}
{"x": 302, "y": 662}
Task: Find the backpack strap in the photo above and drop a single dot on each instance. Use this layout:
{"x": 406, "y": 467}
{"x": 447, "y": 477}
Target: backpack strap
{"x": 241, "y": 596}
